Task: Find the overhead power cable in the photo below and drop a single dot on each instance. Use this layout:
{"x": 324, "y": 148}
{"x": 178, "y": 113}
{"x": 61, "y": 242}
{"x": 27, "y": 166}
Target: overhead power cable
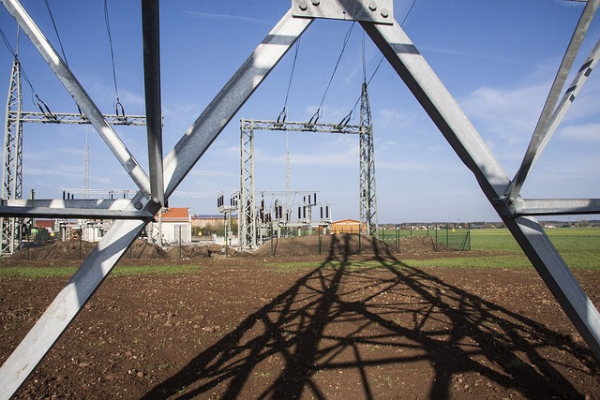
{"x": 119, "y": 110}
{"x": 34, "y": 96}
{"x": 283, "y": 115}
{"x": 348, "y": 117}
{"x": 317, "y": 114}
{"x": 56, "y": 31}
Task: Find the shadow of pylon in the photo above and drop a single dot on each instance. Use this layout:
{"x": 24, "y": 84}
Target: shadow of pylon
{"x": 341, "y": 308}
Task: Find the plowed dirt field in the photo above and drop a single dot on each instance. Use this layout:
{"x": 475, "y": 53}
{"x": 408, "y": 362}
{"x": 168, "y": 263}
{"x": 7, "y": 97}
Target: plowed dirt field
{"x": 338, "y": 325}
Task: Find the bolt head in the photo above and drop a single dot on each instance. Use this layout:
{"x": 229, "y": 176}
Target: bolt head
{"x": 316, "y": 2}
{"x": 385, "y": 13}
{"x": 138, "y": 205}
{"x": 303, "y": 6}
{"x": 372, "y": 6}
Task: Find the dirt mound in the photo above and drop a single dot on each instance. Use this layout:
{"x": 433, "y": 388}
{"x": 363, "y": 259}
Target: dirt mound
{"x": 142, "y": 250}
{"x": 194, "y": 252}
{"x": 68, "y": 250}
{"x": 417, "y": 244}
{"x": 79, "y": 249}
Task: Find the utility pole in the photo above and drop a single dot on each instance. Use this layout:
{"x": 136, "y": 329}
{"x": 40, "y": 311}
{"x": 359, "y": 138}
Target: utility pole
{"x": 368, "y": 196}
{"x": 12, "y": 168}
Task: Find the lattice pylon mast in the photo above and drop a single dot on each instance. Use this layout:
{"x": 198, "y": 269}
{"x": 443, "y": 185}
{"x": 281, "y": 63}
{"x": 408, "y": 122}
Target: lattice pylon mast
{"x": 247, "y": 210}
{"x": 12, "y": 171}
{"x": 368, "y": 196}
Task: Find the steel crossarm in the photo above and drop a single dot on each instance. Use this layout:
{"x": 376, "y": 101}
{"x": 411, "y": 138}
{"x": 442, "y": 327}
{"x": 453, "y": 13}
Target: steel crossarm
{"x": 270, "y": 125}
{"x": 75, "y": 118}
{"x": 80, "y": 208}
{"x": 230, "y": 99}
{"x": 549, "y": 119}
{"x": 416, "y": 73}
{"x": 88, "y": 107}
{"x": 71, "y": 299}
{"x": 557, "y": 206}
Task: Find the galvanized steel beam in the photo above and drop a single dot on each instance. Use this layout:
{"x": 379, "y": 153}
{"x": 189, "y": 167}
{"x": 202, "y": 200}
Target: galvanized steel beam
{"x": 67, "y": 304}
{"x": 229, "y": 100}
{"x": 475, "y": 154}
{"x": 542, "y": 127}
{"x": 64, "y": 74}
{"x": 151, "y": 32}
{"x": 74, "y": 118}
{"x": 557, "y": 207}
{"x": 86, "y": 208}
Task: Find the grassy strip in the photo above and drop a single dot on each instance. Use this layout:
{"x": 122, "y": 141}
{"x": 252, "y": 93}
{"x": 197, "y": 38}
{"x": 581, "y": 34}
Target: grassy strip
{"x": 65, "y": 272}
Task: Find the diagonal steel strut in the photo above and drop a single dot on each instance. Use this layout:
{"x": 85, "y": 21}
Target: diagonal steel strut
{"x": 180, "y": 160}
{"x": 475, "y": 154}
{"x": 88, "y": 107}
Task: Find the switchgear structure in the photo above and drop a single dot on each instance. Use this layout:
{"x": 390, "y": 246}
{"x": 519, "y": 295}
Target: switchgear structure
{"x": 12, "y": 166}
{"x": 368, "y": 198}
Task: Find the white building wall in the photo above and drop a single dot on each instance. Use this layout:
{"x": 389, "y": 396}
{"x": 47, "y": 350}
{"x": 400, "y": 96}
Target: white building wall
{"x": 171, "y": 232}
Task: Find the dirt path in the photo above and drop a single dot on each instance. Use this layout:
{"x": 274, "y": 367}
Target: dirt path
{"x": 237, "y": 328}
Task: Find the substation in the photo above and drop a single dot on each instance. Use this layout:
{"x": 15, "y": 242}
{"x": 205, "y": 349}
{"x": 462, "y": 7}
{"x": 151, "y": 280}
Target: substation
{"x": 131, "y": 214}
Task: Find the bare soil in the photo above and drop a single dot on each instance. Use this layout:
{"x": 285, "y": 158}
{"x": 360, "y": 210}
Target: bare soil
{"x": 247, "y": 327}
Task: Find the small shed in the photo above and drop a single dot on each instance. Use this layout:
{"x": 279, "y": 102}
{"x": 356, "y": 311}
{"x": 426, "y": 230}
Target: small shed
{"x": 345, "y": 226}
{"x": 176, "y": 225}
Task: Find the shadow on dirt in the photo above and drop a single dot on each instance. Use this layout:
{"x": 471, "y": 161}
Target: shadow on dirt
{"x": 452, "y": 330}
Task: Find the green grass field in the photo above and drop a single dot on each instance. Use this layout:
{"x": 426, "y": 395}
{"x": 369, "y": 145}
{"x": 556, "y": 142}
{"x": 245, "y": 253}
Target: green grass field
{"x": 580, "y": 247}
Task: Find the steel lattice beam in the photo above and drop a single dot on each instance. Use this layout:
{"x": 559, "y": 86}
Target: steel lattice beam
{"x": 368, "y": 197}
{"x": 368, "y": 192}
{"x": 12, "y": 167}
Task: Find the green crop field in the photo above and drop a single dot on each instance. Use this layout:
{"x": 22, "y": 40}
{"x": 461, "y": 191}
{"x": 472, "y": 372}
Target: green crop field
{"x": 580, "y": 247}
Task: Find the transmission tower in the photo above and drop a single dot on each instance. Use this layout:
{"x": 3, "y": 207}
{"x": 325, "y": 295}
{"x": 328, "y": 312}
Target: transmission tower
{"x": 12, "y": 169}
{"x": 13, "y": 160}
{"x": 368, "y": 196}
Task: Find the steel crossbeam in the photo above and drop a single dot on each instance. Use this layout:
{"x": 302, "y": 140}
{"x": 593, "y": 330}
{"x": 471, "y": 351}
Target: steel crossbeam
{"x": 419, "y": 78}
{"x": 74, "y": 118}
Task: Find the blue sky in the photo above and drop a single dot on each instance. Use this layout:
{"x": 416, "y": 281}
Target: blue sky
{"x": 497, "y": 57}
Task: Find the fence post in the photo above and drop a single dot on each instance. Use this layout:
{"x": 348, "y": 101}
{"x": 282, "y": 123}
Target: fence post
{"x": 435, "y": 247}
{"x": 397, "y": 240}
{"x": 180, "y": 243}
{"x": 319, "y": 230}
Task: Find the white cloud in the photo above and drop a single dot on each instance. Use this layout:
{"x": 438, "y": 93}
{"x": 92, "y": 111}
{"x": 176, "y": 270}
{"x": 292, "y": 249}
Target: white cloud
{"x": 508, "y": 115}
{"x": 228, "y": 17}
{"x": 588, "y": 133}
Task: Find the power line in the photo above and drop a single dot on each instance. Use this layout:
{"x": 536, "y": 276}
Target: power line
{"x": 282, "y": 116}
{"x": 348, "y": 117}
{"x": 35, "y": 99}
{"x": 118, "y": 105}
{"x": 317, "y": 114}
{"x": 56, "y": 31}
